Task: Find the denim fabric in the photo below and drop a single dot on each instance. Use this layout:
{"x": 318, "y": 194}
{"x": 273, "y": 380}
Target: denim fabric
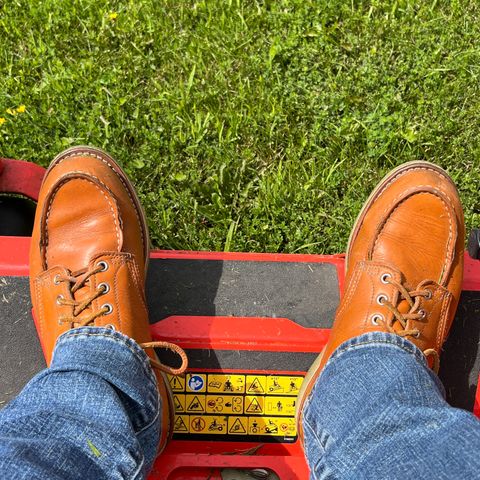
{"x": 378, "y": 412}
{"x": 95, "y": 414}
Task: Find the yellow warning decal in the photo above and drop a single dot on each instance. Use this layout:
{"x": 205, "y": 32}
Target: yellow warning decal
{"x": 181, "y": 424}
{"x": 256, "y": 384}
{"x": 226, "y": 383}
{"x": 280, "y": 405}
{"x": 235, "y": 404}
{"x": 179, "y": 402}
{"x": 177, "y": 383}
{"x": 237, "y": 425}
{"x": 274, "y": 426}
{"x": 283, "y": 385}
{"x": 254, "y": 405}
{"x": 195, "y": 403}
{"x": 209, "y": 424}
{"x": 223, "y": 404}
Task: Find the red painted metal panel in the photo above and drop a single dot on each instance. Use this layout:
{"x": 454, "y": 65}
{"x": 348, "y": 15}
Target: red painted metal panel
{"x": 235, "y": 333}
{"x": 23, "y": 178}
{"x": 14, "y": 252}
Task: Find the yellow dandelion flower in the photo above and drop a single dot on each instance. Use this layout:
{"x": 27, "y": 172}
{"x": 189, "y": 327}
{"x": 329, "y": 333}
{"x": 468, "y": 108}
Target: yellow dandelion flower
{"x": 2, "y": 120}
{"x": 113, "y": 16}
{"x": 10, "y": 111}
{"x": 21, "y": 108}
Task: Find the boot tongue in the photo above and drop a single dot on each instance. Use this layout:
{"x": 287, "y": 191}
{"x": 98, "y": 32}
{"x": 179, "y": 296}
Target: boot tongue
{"x": 403, "y": 306}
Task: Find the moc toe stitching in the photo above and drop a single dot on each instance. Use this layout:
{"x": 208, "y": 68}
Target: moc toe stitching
{"x": 397, "y": 202}
{"x": 378, "y": 193}
{"x": 109, "y": 165}
{"x": 449, "y": 244}
{"x": 84, "y": 176}
{"x": 79, "y": 176}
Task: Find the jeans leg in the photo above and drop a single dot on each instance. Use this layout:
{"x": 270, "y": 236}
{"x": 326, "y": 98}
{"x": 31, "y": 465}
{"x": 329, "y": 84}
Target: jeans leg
{"x": 95, "y": 413}
{"x": 378, "y": 412}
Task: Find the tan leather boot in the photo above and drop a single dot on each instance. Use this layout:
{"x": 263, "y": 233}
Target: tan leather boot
{"x": 404, "y": 266}
{"x": 88, "y": 258}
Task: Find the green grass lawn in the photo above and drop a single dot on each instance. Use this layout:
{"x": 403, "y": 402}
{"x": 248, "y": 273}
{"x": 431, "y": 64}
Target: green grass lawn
{"x": 247, "y": 125}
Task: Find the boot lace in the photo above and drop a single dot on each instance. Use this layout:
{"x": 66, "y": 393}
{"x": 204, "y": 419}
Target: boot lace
{"x": 77, "y": 280}
{"x": 414, "y": 313}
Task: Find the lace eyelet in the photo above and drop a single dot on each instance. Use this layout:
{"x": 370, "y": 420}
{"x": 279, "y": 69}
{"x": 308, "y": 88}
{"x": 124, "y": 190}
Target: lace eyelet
{"x": 384, "y": 278}
{"x": 103, "y": 265}
{"x": 56, "y": 279}
{"x": 376, "y": 318}
{"x": 60, "y": 298}
{"x": 429, "y": 294}
{"x": 417, "y": 334}
{"x": 110, "y": 326}
{"x": 423, "y": 314}
{"x": 104, "y": 287}
{"x": 381, "y": 299}
{"x": 108, "y": 307}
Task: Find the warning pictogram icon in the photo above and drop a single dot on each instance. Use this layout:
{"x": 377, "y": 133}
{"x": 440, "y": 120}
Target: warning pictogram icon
{"x": 177, "y": 383}
{"x": 228, "y": 386}
{"x": 178, "y": 404}
{"x": 275, "y": 386}
{"x": 180, "y": 425}
{"x": 254, "y": 406}
{"x": 215, "y": 426}
{"x": 197, "y": 424}
{"x": 237, "y": 427}
{"x": 271, "y": 428}
{"x": 256, "y": 387}
{"x": 293, "y": 386}
{"x": 195, "y": 405}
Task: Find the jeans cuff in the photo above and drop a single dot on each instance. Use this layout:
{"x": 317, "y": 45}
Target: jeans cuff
{"x": 113, "y": 356}
{"x": 379, "y": 338}
{"x": 103, "y": 337}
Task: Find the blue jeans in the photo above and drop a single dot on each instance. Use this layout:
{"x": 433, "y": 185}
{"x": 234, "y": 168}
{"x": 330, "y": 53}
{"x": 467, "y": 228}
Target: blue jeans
{"x": 376, "y": 412}
{"x": 94, "y": 414}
